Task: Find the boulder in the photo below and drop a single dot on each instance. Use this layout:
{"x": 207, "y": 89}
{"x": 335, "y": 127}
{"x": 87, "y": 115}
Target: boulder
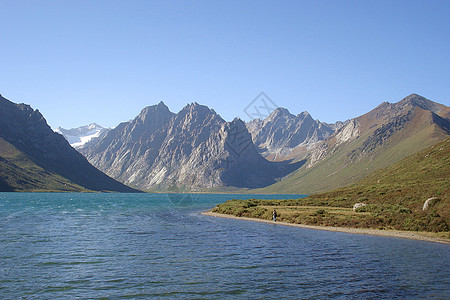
{"x": 358, "y": 205}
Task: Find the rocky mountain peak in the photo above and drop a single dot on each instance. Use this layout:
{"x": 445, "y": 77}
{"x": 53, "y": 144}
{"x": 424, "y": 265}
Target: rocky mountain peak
{"x": 237, "y": 138}
{"x": 152, "y": 111}
{"x": 239, "y": 123}
{"x": 82, "y": 129}
{"x": 383, "y": 105}
{"x": 415, "y": 100}
{"x": 280, "y": 112}
{"x": 277, "y": 135}
{"x": 304, "y": 115}
{"x": 195, "y": 107}
{"x": 193, "y": 115}
{"x": 389, "y": 112}
{"x": 29, "y": 117}
{"x": 94, "y": 126}
{"x": 150, "y": 119}
{"x": 79, "y": 137}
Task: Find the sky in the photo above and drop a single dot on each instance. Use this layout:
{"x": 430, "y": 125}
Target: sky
{"x": 87, "y": 61}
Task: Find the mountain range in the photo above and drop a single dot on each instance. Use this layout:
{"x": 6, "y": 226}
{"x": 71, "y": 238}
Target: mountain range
{"x": 281, "y": 132}
{"x": 196, "y": 150}
{"x": 375, "y": 140}
{"x": 34, "y": 158}
{"x": 192, "y": 150}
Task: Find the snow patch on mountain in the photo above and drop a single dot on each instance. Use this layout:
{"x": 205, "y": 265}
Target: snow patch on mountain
{"x": 79, "y": 137}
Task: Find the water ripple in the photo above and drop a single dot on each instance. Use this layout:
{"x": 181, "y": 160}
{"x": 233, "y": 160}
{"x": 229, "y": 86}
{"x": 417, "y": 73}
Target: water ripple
{"x": 139, "y": 246}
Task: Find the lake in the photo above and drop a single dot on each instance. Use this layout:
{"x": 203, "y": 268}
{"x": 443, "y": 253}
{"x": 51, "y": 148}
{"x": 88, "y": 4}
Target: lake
{"x": 159, "y": 245}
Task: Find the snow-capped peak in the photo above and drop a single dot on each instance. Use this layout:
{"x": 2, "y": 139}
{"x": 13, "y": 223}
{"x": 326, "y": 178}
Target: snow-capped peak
{"x": 78, "y": 137}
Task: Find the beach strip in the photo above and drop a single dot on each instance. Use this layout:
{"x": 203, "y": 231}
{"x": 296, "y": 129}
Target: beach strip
{"x": 389, "y": 233}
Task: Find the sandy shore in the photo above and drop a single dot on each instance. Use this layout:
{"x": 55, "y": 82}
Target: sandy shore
{"x": 390, "y": 233}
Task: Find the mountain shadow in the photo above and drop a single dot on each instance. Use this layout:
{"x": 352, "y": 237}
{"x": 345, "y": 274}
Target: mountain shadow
{"x": 36, "y": 158}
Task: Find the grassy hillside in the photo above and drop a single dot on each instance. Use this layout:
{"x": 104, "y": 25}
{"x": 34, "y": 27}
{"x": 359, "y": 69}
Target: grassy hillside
{"x": 35, "y": 158}
{"x": 20, "y": 174}
{"x": 349, "y": 162}
{"x": 394, "y": 196}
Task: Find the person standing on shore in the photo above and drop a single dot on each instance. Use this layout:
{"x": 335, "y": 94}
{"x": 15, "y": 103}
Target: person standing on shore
{"x": 274, "y": 215}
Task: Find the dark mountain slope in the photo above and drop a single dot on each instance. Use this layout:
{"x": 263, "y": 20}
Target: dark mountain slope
{"x": 26, "y": 133}
{"x": 19, "y": 173}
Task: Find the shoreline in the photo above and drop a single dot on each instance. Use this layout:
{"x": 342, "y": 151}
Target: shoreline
{"x": 389, "y": 233}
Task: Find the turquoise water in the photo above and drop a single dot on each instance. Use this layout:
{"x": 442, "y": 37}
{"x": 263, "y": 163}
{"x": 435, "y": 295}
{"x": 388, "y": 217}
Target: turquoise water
{"x": 155, "y": 245}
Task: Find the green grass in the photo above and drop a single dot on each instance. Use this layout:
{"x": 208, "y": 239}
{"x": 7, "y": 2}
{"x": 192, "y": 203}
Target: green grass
{"x": 395, "y": 196}
{"x": 341, "y": 169}
{"x": 18, "y": 173}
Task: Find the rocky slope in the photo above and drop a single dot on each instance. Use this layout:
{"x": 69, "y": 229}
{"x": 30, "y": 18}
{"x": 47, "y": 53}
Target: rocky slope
{"x": 372, "y": 141}
{"x": 79, "y": 137}
{"x": 118, "y": 153}
{"x": 191, "y": 150}
{"x": 281, "y": 132}
{"x": 33, "y": 157}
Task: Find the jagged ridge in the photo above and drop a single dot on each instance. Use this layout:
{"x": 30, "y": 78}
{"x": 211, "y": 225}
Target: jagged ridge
{"x": 281, "y": 132}
{"x": 193, "y": 149}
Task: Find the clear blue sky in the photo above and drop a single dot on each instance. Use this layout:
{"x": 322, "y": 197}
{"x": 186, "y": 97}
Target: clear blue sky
{"x": 103, "y": 61}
